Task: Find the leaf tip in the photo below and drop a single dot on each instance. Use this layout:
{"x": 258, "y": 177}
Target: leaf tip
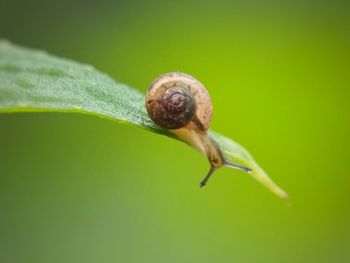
{"x": 260, "y": 175}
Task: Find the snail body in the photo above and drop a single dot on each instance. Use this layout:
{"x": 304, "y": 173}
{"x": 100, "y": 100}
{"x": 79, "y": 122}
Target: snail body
{"x": 180, "y": 103}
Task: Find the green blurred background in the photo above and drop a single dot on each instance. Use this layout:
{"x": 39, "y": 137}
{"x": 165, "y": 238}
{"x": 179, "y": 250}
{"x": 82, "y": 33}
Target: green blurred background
{"x": 81, "y": 189}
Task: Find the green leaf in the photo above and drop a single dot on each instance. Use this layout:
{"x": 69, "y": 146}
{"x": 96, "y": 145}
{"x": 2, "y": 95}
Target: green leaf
{"x": 33, "y": 81}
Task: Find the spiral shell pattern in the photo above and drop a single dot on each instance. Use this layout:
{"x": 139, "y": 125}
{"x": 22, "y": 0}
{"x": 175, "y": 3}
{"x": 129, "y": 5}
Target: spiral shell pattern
{"x": 175, "y": 100}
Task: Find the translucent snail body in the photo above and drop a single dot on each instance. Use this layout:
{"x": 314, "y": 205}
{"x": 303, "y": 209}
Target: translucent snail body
{"x": 180, "y": 103}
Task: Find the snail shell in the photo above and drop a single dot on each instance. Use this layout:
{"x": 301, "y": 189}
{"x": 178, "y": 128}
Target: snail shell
{"x": 176, "y": 99}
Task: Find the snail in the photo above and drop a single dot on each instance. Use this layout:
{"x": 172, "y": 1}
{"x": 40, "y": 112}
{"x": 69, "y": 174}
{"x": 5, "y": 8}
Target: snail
{"x": 181, "y": 104}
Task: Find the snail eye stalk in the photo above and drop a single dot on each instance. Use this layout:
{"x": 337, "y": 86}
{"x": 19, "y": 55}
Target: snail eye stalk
{"x": 238, "y": 167}
{"x": 206, "y": 178}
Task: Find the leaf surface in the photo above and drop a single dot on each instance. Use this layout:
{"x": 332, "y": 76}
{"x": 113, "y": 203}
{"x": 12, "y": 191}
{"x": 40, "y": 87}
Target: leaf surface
{"x": 34, "y": 81}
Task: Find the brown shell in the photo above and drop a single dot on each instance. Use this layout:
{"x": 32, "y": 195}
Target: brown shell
{"x": 175, "y": 100}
